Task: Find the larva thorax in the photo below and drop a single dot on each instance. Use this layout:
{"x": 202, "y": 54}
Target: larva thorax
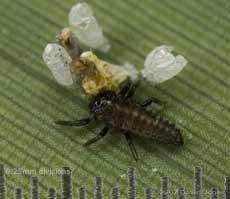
{"x": 128, "y": 116}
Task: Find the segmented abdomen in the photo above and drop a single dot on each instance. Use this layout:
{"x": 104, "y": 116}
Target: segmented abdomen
{"x": 133, "y": 118}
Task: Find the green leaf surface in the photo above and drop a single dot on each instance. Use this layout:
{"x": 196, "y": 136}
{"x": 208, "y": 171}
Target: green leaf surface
{"x": 199, "y": 96}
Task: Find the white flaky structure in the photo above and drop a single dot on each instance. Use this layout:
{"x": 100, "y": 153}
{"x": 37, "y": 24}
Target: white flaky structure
{"x": 57, "y": 59}
{"x": 68, "y": 64}
{"x": 98, "y": 74}
{"x": 86, "y": 28}
{"x": 161, "y": 65}
{"x": 133, "y": 73}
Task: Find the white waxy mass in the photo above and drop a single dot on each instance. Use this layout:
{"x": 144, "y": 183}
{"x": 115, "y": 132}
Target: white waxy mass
{"x": 133, "y": 73}
{"x": 86, "y": 28}
{"x": 161, "y": 64}
{"x": 58, "y": 60}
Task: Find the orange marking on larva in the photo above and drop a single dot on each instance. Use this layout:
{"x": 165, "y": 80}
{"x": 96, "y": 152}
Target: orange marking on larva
{"x": 127, "y": 111}
{"x": 149, "y": 121}
{"x": 135, "y": 114}
{"x": 142, "y": 117}
{"x": 118, "y": 107}
{"x": 155, "y": 122}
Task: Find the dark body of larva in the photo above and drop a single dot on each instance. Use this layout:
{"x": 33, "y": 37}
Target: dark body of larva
{"x": 128, "y": 116}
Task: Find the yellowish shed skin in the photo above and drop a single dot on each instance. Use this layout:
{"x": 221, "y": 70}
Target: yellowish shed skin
{"x": 93, "y": 73}
{"x": 100, "y": 75}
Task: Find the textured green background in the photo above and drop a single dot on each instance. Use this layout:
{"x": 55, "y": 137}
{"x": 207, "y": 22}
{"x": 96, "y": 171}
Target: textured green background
{"x": 30, "y": 99}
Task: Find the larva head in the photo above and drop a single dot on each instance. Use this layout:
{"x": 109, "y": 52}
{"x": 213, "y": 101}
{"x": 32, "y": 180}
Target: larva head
{"x": 102, "y": 103}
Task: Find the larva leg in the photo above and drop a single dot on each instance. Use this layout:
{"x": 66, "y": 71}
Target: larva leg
{"x": 81, "y": 122}
{"x": 151, "y": 101}
{"x": 126, "y": 88}
{"x": 131, "y": 146}
{"x": 129, "y": 89}
{"x": 132, "y": 90}
{"x": 99, "y": 136}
